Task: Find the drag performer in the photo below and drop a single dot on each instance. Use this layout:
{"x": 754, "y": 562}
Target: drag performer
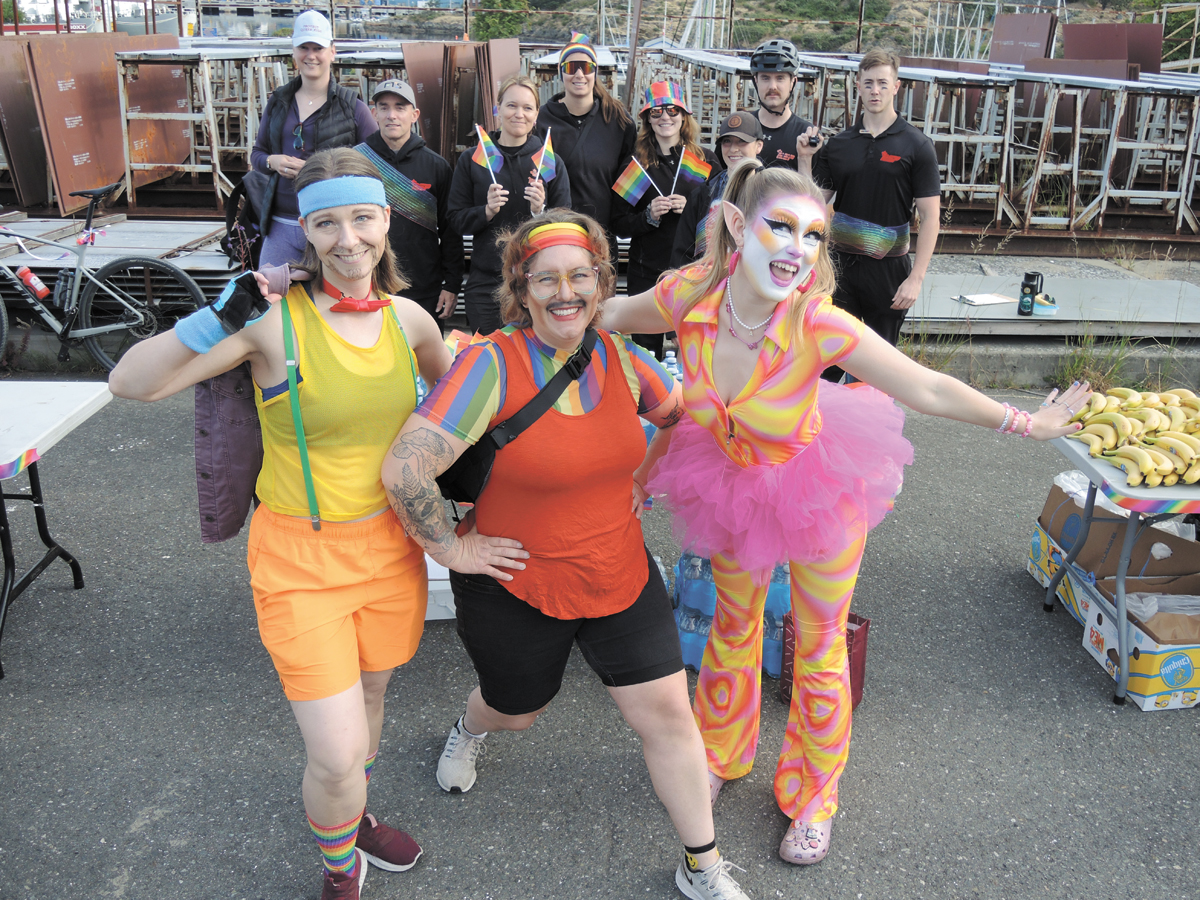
{"x": 772, "y": 465}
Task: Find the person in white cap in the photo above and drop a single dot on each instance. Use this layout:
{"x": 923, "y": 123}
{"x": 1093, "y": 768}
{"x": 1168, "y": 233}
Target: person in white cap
{"x": 309, "y": 113}
{"x": 429, "y": 251}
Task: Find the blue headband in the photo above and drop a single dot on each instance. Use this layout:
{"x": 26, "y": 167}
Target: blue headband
{"x": 344, "y": 191}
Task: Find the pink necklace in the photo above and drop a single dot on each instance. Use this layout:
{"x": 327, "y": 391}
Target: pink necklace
{"x": 734, "y": 316}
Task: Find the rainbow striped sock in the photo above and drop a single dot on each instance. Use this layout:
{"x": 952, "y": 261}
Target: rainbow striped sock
{"x": 337, "y": 844}
{"x": 369, "y": 765}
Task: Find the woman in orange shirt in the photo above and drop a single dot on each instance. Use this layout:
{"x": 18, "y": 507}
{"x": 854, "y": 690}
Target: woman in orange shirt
{"x": 762, "y": 471}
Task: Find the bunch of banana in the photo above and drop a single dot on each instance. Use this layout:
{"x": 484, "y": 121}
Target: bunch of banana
{"x": 1153, "y": 438}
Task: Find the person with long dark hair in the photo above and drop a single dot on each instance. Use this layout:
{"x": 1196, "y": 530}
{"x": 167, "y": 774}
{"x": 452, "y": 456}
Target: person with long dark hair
{"x": 590, "y": 130}
{"x": 339, "y": 589}
{"x": 668, "y": 131}
{"x": 775, "y": 466}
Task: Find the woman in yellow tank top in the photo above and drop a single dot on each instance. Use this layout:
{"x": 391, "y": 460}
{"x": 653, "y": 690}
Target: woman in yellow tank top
{"x": 339, "y": 588}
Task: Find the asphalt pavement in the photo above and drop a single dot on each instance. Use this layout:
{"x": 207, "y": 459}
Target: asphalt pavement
{"x": 147, "y": 751}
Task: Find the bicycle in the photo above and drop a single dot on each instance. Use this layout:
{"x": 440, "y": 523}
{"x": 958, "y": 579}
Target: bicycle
{"x": 108, "y": 310}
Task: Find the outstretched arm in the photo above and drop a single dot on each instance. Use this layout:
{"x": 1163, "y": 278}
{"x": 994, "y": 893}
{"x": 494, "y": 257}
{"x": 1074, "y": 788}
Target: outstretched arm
{"x": 638, "y": 314}
{"x": 881, "y": 365}
{"x": 421, "y": 452}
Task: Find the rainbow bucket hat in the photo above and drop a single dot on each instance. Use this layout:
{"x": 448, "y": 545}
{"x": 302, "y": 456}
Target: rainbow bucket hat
{"x": 665, "y": 93}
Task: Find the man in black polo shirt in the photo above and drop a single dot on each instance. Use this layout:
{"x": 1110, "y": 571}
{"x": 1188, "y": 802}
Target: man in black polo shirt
{"x": 875, "y": 172}
{"x": 429, "y": 253}
{"x": 773, "y": 65}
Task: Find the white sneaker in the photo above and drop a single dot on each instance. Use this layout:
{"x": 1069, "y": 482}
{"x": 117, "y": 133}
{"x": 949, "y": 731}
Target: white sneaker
{"x": 456, "y": 768}
{"x": 713, "y": 883}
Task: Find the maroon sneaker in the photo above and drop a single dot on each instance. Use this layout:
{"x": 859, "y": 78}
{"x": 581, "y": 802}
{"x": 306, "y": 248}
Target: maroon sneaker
{"x": 340, "y": 886}
{"x": 386, "y": 847}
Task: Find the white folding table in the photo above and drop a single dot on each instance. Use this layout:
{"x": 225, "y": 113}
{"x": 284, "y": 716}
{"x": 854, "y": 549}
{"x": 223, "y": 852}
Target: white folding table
{"x": 34, "y": 416}
{"x": 1146, "y": 506}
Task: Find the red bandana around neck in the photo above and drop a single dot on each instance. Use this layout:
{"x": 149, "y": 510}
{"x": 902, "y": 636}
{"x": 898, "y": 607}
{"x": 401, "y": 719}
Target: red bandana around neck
{"x": 354, "y": 304}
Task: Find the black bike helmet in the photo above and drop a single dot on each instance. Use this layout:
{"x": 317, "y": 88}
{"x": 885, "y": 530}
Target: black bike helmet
{"x": 775, "y": 56}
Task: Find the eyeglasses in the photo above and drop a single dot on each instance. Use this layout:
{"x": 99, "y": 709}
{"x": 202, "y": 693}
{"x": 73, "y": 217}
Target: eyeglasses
{"x": 298, "y": 137}
{"x": 544, "y": 285}
{"x": 571, "y": 66}
{"x": 673, "y": 111}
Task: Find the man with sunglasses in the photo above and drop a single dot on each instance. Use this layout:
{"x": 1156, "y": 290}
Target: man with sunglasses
{"x": 591, "y": 132}
{"x": 773, "y": 66}
{"x": 429, "y": 252}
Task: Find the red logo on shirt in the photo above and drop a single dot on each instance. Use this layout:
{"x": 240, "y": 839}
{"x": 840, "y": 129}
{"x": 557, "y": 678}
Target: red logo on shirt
{"x": 786, "y": 157}
{"x": 425, "y": 187}
{"x": 887, "y": 157}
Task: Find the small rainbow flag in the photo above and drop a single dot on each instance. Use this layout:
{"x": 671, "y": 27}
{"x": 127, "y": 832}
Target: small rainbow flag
{"x": 546, "y": 161}
{"x": 486, "y": 153}
{"x": 692, "y": 168}
{"x": 18, "y": 465}
{"x": 633, "y": 183}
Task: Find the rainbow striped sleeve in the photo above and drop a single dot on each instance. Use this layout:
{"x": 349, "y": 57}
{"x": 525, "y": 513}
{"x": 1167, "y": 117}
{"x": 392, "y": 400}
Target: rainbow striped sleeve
{"x": 834, "y": 331}
{"x": 467, "y": 398}
{"x": 649, "y": 382}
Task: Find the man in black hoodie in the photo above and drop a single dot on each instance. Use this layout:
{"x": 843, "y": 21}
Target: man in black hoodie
{"x": 428, "y": 250}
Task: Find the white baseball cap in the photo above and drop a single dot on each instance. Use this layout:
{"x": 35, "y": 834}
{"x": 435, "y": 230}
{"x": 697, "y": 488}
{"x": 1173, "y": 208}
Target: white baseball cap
{"x": 311, "y": 27}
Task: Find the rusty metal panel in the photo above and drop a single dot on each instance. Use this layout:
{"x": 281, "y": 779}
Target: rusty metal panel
{"x": 1017, "y": 37}
{"x": 423, "y": 64}
{"x": 158, "y": 88}
{"x": 1140, "y": 44}
{"x": 459, "y": 114}
{"x": 20, "y": 130}
{"x": 75, "y": 80}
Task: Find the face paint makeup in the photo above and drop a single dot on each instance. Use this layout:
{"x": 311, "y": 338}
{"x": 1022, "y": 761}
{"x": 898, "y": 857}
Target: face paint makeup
{"x": 783, "y": 243}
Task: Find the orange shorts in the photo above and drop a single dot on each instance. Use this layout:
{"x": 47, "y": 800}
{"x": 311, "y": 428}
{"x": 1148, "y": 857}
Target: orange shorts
{"x": 331, "y": 603}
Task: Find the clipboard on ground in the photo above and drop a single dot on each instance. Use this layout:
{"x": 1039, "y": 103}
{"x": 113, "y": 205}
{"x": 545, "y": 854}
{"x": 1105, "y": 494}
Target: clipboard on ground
{"x": 983, "y": 299}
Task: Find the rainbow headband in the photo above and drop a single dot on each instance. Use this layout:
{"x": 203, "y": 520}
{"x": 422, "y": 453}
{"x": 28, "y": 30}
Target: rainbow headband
{"x": 344, "y": 191}
{"x": 556, "y": 234}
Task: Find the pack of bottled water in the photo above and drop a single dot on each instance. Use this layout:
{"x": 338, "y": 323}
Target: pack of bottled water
{"x": 696, "y": 601}
{"x": 671, "y": 364}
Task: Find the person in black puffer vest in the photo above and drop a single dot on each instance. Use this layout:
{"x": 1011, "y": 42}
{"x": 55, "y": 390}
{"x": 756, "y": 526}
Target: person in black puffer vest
{"x": 309, "y": 113}
{"x": 591, "y": 132}
{"x": 485, "y": 204}
{"x": 668, "y": 129}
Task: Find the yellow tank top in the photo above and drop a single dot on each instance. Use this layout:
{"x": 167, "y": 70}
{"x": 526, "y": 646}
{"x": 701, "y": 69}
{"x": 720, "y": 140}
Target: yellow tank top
{"x": 353, "y": 401}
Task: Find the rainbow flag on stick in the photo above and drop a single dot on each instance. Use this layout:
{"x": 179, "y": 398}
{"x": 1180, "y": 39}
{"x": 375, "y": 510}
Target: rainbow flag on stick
{"x": 545, "y": 161}
{"x": 692, "y": 168}
{"x": 634, "y": 182}
{"x": 486, "y": 154}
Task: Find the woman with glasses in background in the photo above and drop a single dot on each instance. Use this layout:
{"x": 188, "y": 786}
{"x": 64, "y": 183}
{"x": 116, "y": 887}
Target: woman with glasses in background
{"x": 668, "y": 131}
{"x": 590, "y": 130}
{"x": 309, "y": 113}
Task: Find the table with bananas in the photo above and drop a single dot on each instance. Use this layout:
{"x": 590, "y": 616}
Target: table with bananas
{"x": 1141, "y": 449}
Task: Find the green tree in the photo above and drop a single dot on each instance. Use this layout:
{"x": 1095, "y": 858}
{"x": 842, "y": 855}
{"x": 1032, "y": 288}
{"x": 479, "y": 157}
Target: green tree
{"x": 8, "y": 12}
{"x": 487, "y": 25}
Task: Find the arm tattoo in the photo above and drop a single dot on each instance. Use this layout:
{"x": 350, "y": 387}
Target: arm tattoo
{"x": 416, "y": 499}
{"x": 673, "y": 416}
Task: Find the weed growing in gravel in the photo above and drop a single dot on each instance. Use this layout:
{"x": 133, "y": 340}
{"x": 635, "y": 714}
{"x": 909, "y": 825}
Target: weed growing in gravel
{"x": 1100, "y": 362}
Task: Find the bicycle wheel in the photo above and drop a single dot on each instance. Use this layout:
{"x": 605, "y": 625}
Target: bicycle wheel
{"x": 161, "y": 290}
{"x": 3, "y": 331}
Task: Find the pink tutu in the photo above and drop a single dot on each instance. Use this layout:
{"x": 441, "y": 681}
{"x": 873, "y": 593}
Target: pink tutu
{"x": 801, "y": 510}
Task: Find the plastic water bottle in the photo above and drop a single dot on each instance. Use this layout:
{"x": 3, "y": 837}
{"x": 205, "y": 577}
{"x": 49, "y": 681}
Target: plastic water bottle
{"x": 671, "y": 364}
{"x": 32, "y": 282}
{"x": 422, "y": 390}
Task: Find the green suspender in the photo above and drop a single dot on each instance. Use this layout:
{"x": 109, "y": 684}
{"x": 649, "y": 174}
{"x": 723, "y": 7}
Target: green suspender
{"x": 294, "y": 395}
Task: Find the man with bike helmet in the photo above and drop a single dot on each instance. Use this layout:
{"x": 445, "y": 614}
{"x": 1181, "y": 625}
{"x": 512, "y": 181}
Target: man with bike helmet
{"x": 773, "y": 66}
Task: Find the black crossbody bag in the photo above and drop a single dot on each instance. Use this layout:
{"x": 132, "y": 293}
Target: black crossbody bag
{"x": 464, "y": 481}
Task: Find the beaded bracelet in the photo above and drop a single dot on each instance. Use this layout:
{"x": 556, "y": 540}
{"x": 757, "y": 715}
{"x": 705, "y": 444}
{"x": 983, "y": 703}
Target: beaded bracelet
{"x": 1008, "y": 411}
{"x": 1028, "y": 425}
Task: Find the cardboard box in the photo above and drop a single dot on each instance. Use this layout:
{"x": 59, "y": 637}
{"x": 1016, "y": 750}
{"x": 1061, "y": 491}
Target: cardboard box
{"x": 1162, "y": 676}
